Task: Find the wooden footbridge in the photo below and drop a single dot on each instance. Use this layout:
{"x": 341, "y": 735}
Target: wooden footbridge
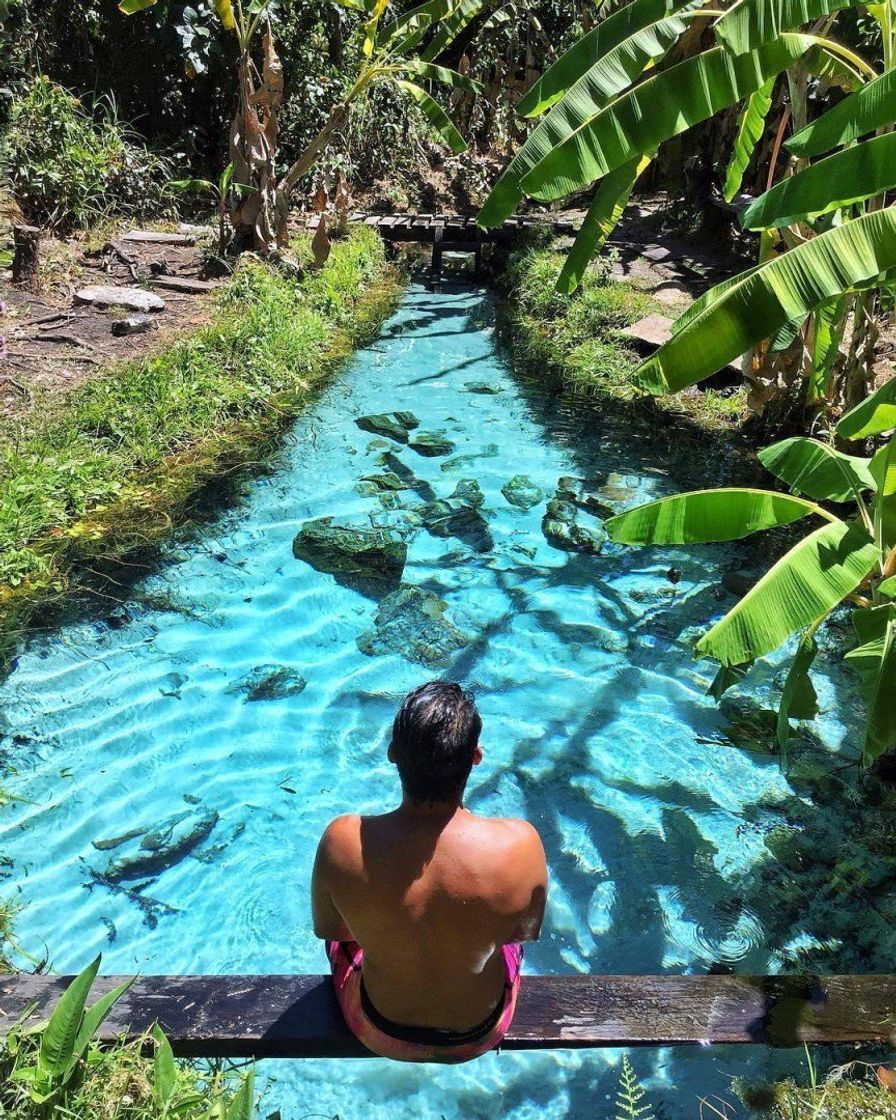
{"x": 451, "y": 233}
{"x": 297, "y": 1016}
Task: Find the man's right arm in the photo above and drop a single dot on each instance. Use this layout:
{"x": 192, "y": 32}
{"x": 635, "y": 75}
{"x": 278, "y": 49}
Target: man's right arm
{"x": 532, "y": 867}
{"x": 328, "y": 922}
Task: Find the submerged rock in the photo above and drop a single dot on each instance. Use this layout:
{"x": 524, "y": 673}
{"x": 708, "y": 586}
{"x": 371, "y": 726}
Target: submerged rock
{"x": 522, "y": 492}
{"x": 384, "y": 483}
{"x": 394, "y": 425}
{"x": 449, "y": 517}
{"x": 584, "y": 493}
{"x": 270, "y": 682}
{"x": 490, "y": 451}
{"x": 469, "y": 491}
{"x": 483, "y": 387}
{"x": 149, "y": 852}
{"x": 561, "y": 527}
{"x": 368, "y": 560}
{"x": 431, "y": 444}
{"x": 411, "y": 621}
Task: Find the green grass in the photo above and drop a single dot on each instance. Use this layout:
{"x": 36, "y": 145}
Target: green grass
{"x": 848, "y": 1093}
{"x": 107, "y": 469}
{"x": 577, "y": 338}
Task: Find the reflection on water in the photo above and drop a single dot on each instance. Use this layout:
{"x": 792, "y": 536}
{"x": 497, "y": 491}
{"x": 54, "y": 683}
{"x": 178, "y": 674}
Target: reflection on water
{"x": 180, "y": 758}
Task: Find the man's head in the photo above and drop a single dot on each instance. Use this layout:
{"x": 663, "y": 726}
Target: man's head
{"x": 435, "y": 741}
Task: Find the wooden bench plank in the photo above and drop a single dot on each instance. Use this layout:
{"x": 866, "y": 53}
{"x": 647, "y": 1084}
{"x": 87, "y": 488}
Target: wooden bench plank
{"x": 297, "y": 1016}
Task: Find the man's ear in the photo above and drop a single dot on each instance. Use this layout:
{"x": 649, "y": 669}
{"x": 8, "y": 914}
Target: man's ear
{"x": 390, "y": 753}
{"x": 477, "y": 755}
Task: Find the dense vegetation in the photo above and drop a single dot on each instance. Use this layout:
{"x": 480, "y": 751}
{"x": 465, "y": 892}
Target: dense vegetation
{"x": 781, "y": 110}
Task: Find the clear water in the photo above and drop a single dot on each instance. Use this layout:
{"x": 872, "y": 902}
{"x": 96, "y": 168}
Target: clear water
{"x": 597, "y": 728}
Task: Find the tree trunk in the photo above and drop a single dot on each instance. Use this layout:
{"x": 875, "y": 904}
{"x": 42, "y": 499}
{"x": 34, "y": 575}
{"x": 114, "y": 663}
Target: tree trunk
{"x": 26, "y": 257}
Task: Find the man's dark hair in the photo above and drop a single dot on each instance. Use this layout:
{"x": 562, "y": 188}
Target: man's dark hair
{"x": 433, "y": 739}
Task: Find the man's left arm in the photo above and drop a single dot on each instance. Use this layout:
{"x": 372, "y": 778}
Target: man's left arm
{"x": 328, "y": 922}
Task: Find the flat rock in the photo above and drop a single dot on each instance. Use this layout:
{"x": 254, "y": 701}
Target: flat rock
{"x": 411, "y": 622}
{"x": 650, "y": 332}
{"x": 394, "y": 425}
{"x": 366, "y": 559}
{"x": 187, "y": 284}
{"x": 134, "y": 324}
{"x": 521, "y": 491}
{"x": 382, "y": 483}
{"x": 431, "y": 444}
{"x": 134, "y": 299}
{"x": 469, "y": 492}
{"x": 269, "y": 682}
{"x": 156, "y": 237}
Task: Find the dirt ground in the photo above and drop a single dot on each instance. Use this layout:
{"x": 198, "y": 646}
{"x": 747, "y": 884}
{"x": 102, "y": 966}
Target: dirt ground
{"x": 54, "y": 342}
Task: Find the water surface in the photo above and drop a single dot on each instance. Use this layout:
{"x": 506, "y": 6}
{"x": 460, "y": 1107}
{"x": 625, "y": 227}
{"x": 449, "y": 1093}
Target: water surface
{"x": 597, "y": 727}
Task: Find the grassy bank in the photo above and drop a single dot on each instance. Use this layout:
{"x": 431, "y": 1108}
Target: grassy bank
{"x": 578, "y": 338}
{"x": 111, "y": 467}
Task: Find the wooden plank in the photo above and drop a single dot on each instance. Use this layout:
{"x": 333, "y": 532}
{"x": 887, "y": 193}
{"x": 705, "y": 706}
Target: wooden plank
{"x": 297, "y": 1016}
{"x": 153, "y": 237}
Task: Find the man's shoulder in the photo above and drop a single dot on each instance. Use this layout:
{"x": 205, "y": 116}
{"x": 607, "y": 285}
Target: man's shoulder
{"x": 340, "y": 839}
{"x": 512, "y": 832}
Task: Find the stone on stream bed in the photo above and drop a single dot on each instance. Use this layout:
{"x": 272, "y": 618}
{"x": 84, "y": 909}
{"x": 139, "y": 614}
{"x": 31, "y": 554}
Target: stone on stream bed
{"x": 586, "y": 493}
{"x": 366, "y": 559}
{"x": 459, "y": 517}
{"x": 384, "y": 482}
{"x": 148, "y": 852}
{"x": 411, "y": 621}
{"x": 562, "y": 529}
{"x": 431, "y": 444}
{"x": 269, "y": 682}
{"x": 521, "y": 491}
{"x": 483, "y": 387}
{"x": 394, "y": 425}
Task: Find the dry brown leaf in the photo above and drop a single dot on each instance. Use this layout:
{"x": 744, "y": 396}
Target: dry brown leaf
{"x": 886, "y": 1078}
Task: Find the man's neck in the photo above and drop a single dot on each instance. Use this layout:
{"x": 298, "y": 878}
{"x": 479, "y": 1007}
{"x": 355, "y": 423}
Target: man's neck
{"x": 430, "y": 810}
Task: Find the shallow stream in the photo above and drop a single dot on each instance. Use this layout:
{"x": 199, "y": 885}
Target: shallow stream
{"x": 240, "y": 698}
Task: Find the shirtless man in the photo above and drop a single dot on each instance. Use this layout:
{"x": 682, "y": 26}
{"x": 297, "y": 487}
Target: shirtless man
{"x": 423, "y": 909}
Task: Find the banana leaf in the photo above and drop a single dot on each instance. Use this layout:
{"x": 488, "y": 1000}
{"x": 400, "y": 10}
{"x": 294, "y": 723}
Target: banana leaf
{"x": 803, "y": 587}
{"x": 705, "y": 516}
{"x": 750, "y": 129}
{"x": 818, "y": 471}
{"x": 606, "y": 209}
{"x": 883, "y": 470}
{"x": 588, "y": 95}
{"x": 131, "y": 7}
{"x": 442, "y": 75}
{"x": 590, "y": 49}
{"x": 874, "y": 416}
{"x": 436, "y": 116}
{"x": 869, "y": 108}
{"x": 451, "y": 26}
{"x": 799, "y": 700}
{"x": 770, "y": 295}
{"x": 656, "y": 110}
{"x": 829, "y": 322}
{"x": 875, "y": 661}
{"x": 413, "y": 24}
{"x": 840, "y": 180}
{"x": 749, "y": 24}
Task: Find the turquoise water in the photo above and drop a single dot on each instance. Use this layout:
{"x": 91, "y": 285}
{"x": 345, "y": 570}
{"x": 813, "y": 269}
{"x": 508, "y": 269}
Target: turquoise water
{"x": 597, "y": 727}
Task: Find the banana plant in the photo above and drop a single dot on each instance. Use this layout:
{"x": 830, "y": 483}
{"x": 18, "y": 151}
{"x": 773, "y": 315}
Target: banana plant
{"x": 389, "y": 53}
{"x": 848, "y": 558}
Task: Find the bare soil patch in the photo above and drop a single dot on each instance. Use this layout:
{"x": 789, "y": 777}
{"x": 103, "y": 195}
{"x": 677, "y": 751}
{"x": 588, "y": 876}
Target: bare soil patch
{"x": 54, "y": 342}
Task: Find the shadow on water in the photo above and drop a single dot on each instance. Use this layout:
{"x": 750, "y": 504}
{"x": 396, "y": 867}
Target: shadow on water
{"x": 645, "y": 890}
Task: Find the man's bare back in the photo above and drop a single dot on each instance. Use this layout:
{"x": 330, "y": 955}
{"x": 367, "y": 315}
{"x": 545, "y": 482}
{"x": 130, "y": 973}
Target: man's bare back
{"x": 432, "y": 894}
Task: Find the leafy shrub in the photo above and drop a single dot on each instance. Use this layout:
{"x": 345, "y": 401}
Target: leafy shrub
{"x": 68, "y": 167}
